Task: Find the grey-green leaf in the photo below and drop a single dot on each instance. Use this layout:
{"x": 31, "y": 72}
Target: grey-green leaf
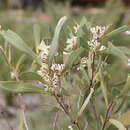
{"x": 117, "y": 124}
{"x": 21, "y": 87}
{"x": 117, "y": 52}
{"x": 50, "y": 108}
{"x": 72, "y": 58}
{"x": 36, "y": 33}
{"x": 25, "y": 76}
{"x": 86, "y": 102}
{"x": 16, "y": 41}
{"x": 117, "y": 31}
{"x": 54, "y": 44}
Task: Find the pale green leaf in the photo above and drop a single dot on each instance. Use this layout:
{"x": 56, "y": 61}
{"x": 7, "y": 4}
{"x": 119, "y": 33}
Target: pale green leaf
{"x": 86, "y": 102}
{"x": 117, "y": 52}
{"x": 72, "y": 58}
{"x": 103, "y": 86}
{"x": 117, "y": 124}
{"x": 21, "y": 87}
{"x": 55, "y": 40}
{"x": 50, "y": 108}
{"x": 16, "y": 41}
{"x": 36, "y": 33}
{"x": 117, "y": 31}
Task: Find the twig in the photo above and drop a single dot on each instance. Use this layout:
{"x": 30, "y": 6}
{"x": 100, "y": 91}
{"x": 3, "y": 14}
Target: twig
{"x": 55, "y": 120}
{"x": 95, "y": 112}
{"x": 107, "y": 115}
{"x": 62, "y": 105}
{"x": 24, "y": 118}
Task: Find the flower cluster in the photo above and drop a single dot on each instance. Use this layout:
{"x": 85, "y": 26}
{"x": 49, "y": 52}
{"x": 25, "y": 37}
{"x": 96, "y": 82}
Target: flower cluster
{"x": 51, "y": 76}
{"x": 127, "y": 32}
{"x": 44, "y": 51}
{"x": 83, "y": 63}
{"x": 97, "y": 32}
{"x": 72, "y": 41}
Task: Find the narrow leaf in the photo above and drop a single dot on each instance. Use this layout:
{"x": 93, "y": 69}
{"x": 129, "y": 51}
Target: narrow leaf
{"x": 117, "y": 52}
{"x": 20, "y": 87}
{"x": 16, "y": 41}
{"x": 117, "y": 124}
{"x": 36, "y": 33}
{"x": 117, "y": 31}
{"x": 54, "y": 44}
{"x": 25, "y": 76}
{"x": 86, "y": 102}
{"x": 50, "y": 108}
{"x": 72, "y": 58}
{"x": 103, "y": 87}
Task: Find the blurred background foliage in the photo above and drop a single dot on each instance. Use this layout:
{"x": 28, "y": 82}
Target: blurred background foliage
{"x": 21, "y": 18}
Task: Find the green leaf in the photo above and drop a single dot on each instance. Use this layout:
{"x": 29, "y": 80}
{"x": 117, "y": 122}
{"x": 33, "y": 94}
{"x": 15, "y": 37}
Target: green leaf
{"x": 31, "y": 76}
{"x": 126, "y": 88}
{"x": 117, "y": 31}
{"x": 21, "y": 87}
{"x": 117, "y": 52}
{"x": 117, "y": 124}
{"x": 50, "y": 108}
{"x": 36, "y": 33}
{"x": 124, "y": 50}
{"x": 103, "y": 86}
{"x": 16, "y": 41}
{"x": 19, "y": 62}
{"x": 86, "y": 102}
{"x": 55, "y": 42}
{"x": 72, "y": 58}
{"x": 85, "y": 75}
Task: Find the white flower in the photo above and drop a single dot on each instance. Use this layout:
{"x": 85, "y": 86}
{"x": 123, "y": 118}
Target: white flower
{"x": 12, "y": 75}
{"x": 0, "y": 26}
{"x": 76, "y": 28}
{"x": 98, "y": 31}
{"x": 71, "y": 40}
{"x": 43, "y": 46}
{"x": 128, "y": 62}
{"x": 127, "y": 32}
{"x": 43, "y": 72}
{"x": 44, "y": 51}
{"x": 71, "y": 43}
{"x": 93, "y": 43}
{"x": 70, "y": 127}
{"x": 102, "y": 48}
{"x": 55, "y": 81}
{"x": 57, "y": 67}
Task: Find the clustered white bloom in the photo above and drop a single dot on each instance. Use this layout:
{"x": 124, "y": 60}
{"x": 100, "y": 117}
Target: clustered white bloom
{"x": 71, "y": 43}
{"x": 76, "y": 28}
{"x": 127, "y": 32}
{"x": 57, "y": 67}
{"x": 44, "y": 51}
{"x": 93, "y": 43}
{"x": 128, "y": 62}
{"x": 83, "y": 63}
{"x": 102, "y": 48}
{"x": 70, "y": 127}
{"x": 44, "y": 71}
{"x": 97, "y": 32}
